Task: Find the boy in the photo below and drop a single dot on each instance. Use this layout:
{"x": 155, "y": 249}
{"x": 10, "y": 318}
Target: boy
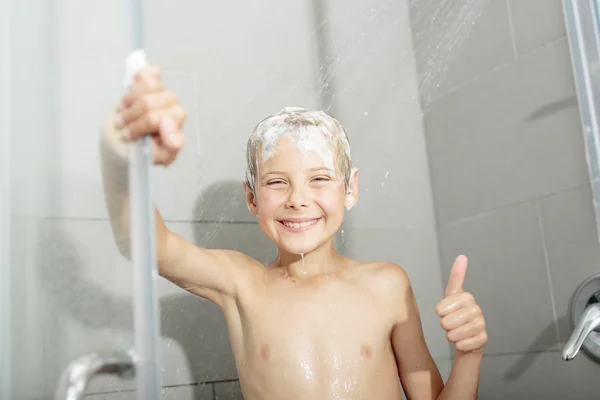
{"x": 312, "y": 324}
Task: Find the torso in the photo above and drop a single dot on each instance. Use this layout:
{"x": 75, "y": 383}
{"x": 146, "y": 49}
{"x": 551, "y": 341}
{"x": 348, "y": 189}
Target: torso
{"x": 322, "y": 338}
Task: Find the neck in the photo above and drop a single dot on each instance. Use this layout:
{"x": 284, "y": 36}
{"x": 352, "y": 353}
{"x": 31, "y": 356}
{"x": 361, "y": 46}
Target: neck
{"x": 320, "y": 261}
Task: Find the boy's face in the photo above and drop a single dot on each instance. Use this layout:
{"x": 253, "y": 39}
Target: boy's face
{"x": 299, "y": 202}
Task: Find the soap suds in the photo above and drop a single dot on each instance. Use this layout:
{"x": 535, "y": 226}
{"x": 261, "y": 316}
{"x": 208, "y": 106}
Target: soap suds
{"x": 305, "y": 138}
{"x": 308, "y": 130}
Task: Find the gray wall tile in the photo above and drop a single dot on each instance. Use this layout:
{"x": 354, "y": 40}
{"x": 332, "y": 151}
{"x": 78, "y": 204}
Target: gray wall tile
{"x": 536, "y": 22}
{"x": 513, "y": 136}
{"x": 506, "y": 266}
{"x": 458, "y": 41}
{"x": 388, "y": 148}
{"x": 572, "y": 242}
{"x": 228, "y": 391}
{"x": 538, "y": 376}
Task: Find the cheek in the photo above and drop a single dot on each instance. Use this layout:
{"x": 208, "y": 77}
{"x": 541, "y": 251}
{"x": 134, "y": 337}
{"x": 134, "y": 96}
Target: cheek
{"x": 268, "y": 202}
{"x": 331, "y": 199}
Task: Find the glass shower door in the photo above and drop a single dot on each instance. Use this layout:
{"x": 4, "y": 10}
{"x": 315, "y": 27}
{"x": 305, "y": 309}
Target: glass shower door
{"x": 5, "y": 360}
{"x": 66, "y": 292}
{"x": 583, "y": 22}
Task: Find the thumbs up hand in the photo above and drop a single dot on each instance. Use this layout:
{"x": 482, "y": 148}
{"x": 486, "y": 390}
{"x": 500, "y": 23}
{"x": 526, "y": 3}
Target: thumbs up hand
{"x": 460, "y": 315}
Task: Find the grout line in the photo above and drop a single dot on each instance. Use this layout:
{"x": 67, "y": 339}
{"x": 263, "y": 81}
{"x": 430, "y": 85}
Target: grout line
{"x": 521, "y": 353}
{"x": 214, "y": 221}
{"x": 486, "y": 74}
{"x": 212, "y": 383}
{"x": 512, "y": 31}
{"x": 548, "y": 274}
{"x": 504, "y": 354}
{"x": 468, "y": 218}
{"x": 214, "y": 391}
{"x": 201, "y": 221}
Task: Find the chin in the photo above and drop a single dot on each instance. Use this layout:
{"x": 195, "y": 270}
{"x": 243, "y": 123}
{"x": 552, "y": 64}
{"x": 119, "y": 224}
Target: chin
{"x": 298, "y": 248}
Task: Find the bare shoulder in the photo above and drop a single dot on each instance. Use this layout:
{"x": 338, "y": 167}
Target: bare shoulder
{"x": 390, "y": 287}
{"x": 384, "y": 272}
{"x": 385, "y": 277}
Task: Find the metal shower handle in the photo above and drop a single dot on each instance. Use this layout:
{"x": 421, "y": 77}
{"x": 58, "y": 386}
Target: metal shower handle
{"x": 80, "y": 372}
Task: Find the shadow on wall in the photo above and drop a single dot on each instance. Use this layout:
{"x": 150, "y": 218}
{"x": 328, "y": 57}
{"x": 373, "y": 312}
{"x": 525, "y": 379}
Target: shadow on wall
{"x": 546, "y": 340}
{"x": 197, "y": 325}
{"x": 553, "y": 108}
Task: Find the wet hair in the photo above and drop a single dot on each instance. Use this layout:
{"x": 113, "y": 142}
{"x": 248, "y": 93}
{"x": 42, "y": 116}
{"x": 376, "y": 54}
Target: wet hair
{"x": 297, "y": 123}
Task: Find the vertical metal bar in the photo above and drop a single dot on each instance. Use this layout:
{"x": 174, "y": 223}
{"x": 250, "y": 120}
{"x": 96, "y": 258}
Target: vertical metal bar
{"x": 584, "y": 42}
{"x": 5, "y": 273}
{"x": 143, "y": 246}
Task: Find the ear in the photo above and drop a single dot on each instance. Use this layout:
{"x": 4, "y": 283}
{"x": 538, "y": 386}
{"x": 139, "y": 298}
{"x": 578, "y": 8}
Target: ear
{"x": 250, "y": 200}
{"x": 352, "y": 191}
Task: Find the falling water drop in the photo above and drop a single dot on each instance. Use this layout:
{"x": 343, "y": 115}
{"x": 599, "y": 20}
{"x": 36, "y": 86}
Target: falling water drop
{"x": 443, "y": 28}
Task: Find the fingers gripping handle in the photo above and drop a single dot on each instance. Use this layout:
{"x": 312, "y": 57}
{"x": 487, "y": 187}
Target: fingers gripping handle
{"x": 133, "y": 63}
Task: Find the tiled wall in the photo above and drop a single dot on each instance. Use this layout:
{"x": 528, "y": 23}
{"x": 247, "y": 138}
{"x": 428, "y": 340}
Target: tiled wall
{"x": 510, "y": 188}
{"x": 231, "y": 64}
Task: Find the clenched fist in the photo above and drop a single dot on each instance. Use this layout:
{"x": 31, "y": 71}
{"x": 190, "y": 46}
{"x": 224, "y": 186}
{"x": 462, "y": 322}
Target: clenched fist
{"x": 150, "y": 109}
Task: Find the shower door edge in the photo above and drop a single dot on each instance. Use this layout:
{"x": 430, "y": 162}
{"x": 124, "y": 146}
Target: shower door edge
{"x": 584, "y": 40}
{"x": 5, "y": 275}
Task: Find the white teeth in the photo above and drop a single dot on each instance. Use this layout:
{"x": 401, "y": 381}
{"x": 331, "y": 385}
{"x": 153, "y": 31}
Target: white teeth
{"x": 300, "y": 224}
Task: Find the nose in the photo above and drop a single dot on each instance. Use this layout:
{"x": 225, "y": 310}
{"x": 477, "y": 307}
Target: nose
{"x": 297, "y": 198}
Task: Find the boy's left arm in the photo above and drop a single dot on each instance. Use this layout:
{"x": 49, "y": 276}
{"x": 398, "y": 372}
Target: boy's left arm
{"x": 463, "y": 321}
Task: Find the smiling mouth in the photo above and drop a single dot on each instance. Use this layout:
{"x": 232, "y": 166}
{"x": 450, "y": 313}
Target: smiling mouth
{"x": 299, "y": 226}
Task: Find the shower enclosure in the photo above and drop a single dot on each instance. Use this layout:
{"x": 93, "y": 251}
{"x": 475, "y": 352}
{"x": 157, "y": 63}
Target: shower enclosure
{"x": 469, "y": 122}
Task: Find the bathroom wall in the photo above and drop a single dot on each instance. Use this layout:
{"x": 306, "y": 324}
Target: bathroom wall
{"x": 510, "y": 188}
{"x": 231, "y": 64}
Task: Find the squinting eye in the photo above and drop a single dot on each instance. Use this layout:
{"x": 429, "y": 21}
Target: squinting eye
{"x": 274, "y": 183}
{"x": 322, "y": 179}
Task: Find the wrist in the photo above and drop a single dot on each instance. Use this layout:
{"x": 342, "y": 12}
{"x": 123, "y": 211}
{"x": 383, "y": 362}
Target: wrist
{"x": 475, "y": 355}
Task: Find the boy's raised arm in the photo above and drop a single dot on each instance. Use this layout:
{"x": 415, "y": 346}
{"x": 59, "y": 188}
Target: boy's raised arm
{"x": 417, "y": 370}
{"x": 463, "y": 321}
{"x": 150, "y": 109}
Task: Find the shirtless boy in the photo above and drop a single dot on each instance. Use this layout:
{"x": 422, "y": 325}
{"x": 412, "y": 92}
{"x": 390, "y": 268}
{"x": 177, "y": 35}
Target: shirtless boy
{"x": 312, "y": 325}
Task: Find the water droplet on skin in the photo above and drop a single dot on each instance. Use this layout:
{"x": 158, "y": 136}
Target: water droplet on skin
{"x": 302, "y": 255}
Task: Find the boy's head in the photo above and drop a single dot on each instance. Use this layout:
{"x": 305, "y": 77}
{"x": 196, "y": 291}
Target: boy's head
{"x": 299, "y": 178}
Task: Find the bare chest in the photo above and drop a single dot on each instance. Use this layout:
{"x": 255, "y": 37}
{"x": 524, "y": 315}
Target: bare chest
{"x": 331, "y": 323}
{"x": 324, "y": 343}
